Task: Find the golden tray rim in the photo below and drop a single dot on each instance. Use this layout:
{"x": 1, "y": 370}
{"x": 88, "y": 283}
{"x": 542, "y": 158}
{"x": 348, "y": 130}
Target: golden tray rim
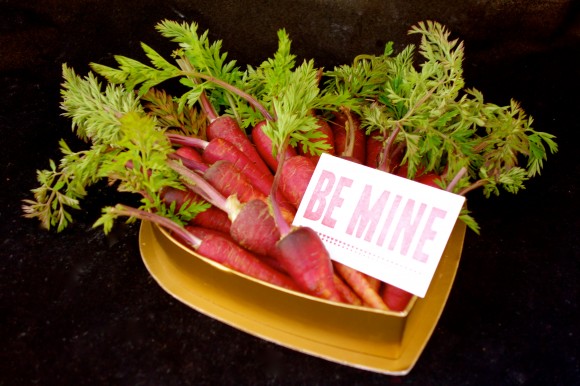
{"x": 254, "y": 307}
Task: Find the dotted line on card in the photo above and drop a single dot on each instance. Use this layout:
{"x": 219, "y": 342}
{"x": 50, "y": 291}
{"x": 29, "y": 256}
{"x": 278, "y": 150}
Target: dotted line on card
{"x": 352, "y": 249}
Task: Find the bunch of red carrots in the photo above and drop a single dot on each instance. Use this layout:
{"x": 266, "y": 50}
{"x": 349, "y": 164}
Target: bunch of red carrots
{"x": 225, "y": 166}
{"x": 253, "y": 202}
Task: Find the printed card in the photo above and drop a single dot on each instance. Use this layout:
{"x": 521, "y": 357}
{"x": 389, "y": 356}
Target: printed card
{"x": 380, "y": 224}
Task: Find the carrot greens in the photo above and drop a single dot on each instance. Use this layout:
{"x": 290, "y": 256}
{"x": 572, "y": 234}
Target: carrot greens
{"x": 169, "y": 116}
{"x": 224, "y": 141}
{"x": 127, "y": 149}
{"x": 200, "y": 66}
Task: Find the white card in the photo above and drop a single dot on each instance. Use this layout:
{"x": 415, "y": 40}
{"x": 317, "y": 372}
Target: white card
{"x": 386, "y": 226}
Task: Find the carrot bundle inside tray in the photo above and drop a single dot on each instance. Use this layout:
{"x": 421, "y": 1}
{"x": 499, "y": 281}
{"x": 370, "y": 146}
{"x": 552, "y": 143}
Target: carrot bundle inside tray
{"x": 225, "y": 165}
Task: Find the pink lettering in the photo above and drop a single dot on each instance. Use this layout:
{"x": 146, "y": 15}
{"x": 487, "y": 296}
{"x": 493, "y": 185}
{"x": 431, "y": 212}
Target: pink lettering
{"x": 335, "y": 202}
{"x": 407, "y": 225}
{"x": 428, "y": 233}
{"x": 366, "y": 217}
{"x": 389, "y": 220}
{"x": 317, "y": 202}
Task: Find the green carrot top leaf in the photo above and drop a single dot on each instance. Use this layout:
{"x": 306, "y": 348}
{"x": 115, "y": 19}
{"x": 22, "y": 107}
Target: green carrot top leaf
{"x": 197, "y": 64}
{"x": 362, "y": 80}
{"x": 95, "y": 113}
{"x": 444, "y": 127}
{"x": 267, "y": 80}
{"x": 293, "y": 94}
{"x": 169, "y": 116}
{"x": 293, "y": 107}
{"x": 127, "y": 149}
{"x": 203, "y": 55}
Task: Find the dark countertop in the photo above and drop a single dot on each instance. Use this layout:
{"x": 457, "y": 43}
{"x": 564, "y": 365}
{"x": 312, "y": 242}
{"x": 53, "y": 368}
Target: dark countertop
{"x": 80, "y": 308}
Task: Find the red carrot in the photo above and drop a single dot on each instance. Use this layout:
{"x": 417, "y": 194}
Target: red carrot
{"x": 253, "y": 227}
{"x": 359, "y": 284}
{"x": 305, "y": 258}
{"x": 263, "y": 145}
{"x": 220, "y": 149}
{"x": 170, "y": 195}
{"x": 189, "y": 153}
{"x": 228, "y": 180}
{"x": 374, "y": 148}
{"x": 213, "y": 218}
{"x": 222, "y": 176}
{"x": 227, "y": 128}
{"x": 201, "y": 232}
{"x": 395, "y": 298}
{"x": 228, "y": 253}
{"x": 213, "y": 247}
{"x": 221, "y": 179}
{"x": 250, "y": 224}
{"x": 300, "y": 250}
{"x": 295, "y": 176}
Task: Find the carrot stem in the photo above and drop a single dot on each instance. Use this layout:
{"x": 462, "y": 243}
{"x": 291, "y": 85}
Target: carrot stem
{"x": 184, "y": 140}
{"x": 189, "y": 163}
{"x": 128, "y": 211}
{"x": 385, "y": 164}
{"x": 242, "y": 94}
{"x": 477, "y": 184}
{"x": 282, "y": 225}
{"x": 456, "y": 179}
{"x": 350, "y": 133}
{"x": 200, "y": 185}
{"x": 207, "y": 107}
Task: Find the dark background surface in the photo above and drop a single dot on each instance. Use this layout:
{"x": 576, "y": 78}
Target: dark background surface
{"x": 80, "y": 308}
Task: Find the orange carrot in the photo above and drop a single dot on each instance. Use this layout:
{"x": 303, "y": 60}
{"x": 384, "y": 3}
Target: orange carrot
{"x": 359, "y": 284}
{"x": 346, "y": 292}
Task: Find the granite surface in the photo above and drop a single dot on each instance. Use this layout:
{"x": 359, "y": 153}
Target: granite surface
{"x": 80, "y": 308}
